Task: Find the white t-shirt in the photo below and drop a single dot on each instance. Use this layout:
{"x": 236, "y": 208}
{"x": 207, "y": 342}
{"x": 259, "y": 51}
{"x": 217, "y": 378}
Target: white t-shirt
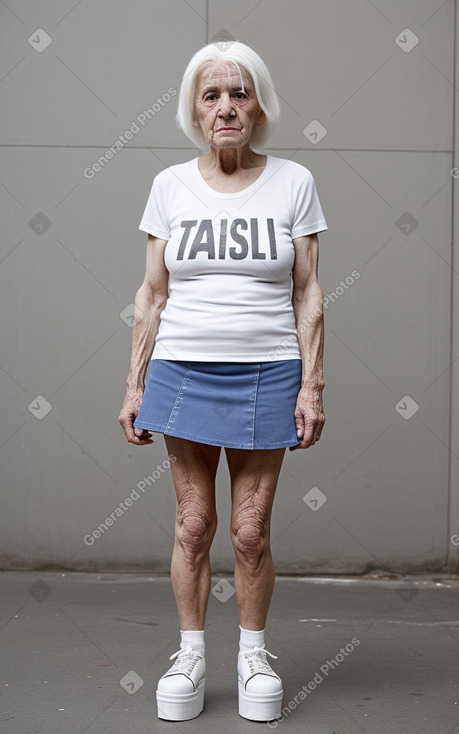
{"x": 230, "y": 259}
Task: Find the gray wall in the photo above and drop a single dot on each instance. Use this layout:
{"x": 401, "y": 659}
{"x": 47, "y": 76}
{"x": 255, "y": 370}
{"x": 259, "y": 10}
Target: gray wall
{"x": 72, "y": 258}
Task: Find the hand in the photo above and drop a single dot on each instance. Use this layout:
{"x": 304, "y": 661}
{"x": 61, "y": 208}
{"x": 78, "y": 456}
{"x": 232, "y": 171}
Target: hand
{"x": 128, "y": 414}
{"x": 309, "y": 417}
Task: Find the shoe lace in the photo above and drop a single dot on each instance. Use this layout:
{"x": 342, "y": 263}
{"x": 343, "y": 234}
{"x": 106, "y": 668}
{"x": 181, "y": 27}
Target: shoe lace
{"x": 256, "y": 659}
{"x": 186, "y": 659}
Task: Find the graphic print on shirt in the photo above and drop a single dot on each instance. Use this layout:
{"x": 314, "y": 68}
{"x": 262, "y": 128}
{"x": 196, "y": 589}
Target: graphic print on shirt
{"x": 230, "y": 259}
{"x": 226, "y": 239}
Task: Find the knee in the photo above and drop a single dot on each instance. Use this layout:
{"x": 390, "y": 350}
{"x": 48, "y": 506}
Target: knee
{"x": 250, "y": 537}
{"x": 195, "y": 528}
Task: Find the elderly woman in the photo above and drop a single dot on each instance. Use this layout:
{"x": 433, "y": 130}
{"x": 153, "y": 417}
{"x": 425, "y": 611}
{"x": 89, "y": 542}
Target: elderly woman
{"x": 229, "y": 321}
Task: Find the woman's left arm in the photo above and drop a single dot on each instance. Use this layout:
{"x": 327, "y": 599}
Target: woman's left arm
{"x": 307, "y": 299}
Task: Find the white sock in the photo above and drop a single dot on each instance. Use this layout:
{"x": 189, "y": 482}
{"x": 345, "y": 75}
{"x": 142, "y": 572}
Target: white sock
{"x": 250, "y": 638}
{"x": 195, "y": 638}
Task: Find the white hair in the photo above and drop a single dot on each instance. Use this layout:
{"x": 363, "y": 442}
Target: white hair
{"x": 240, "y": 55}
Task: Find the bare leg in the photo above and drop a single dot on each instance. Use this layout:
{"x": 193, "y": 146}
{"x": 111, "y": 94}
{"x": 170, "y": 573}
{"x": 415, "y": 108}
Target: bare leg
{"x": 254, "y": 476}
{"x": 193, "y": 474}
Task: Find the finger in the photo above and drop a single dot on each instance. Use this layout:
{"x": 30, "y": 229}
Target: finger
{"x": 143, "y": 435}
{"x": 138, "y": 436}
{"x": 309, "y": 432}
{"x": 303, "y": 442}
{"x": 299, "y": 424}
{"x": 142, "y": 440}
{"x": 309, "y": 439}
{"x": 126, "y": 425}
{"x": 310, "y": 435}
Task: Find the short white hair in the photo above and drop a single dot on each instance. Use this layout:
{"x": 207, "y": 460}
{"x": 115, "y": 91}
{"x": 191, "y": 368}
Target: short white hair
{"x": 242, "y": 56}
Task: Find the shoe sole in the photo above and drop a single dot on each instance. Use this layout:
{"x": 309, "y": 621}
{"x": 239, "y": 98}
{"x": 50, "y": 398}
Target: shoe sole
{"x": 259, "y": 706}
{"x": 182, "y": 706}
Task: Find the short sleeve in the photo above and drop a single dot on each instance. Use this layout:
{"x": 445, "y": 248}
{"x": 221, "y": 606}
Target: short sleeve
{"x": 154, "y": 219}
{"x": 308, "y": 217}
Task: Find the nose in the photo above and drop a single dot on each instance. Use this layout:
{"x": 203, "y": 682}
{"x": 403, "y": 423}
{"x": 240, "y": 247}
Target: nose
{"x": 226, "y": 107}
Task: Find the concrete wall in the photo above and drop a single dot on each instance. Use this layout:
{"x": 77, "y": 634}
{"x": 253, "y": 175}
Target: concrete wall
{"x": 379, "y": 78}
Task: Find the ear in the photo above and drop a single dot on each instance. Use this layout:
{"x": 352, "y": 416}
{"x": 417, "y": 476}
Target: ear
{"x": 261, "y": 118}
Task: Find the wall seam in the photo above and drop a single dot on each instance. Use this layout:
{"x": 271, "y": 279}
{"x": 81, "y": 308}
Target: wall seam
{"x": 452, "y": 550}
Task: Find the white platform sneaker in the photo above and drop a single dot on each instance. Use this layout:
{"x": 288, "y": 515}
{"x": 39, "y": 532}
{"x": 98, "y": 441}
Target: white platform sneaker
{"x": 180, "y": 692}
{"x": 259, "y": 688}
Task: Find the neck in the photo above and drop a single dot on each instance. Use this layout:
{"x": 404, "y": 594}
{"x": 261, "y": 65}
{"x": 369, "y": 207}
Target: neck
{"x": 231, "y": 160}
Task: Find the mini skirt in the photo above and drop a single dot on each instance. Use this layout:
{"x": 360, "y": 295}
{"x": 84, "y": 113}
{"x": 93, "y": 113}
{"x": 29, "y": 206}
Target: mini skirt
{"x": 229, "y": 404}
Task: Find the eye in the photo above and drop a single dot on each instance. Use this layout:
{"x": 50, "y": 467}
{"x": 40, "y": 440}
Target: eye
{"x": 241, "y": 95}
{"x": 210, "y": 97}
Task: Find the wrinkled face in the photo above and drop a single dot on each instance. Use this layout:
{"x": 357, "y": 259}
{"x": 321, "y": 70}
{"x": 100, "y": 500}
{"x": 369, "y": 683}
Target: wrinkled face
{"x": 226, "y": 109}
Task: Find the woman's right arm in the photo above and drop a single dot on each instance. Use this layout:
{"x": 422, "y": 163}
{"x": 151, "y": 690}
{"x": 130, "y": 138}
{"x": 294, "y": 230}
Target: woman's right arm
{"x": 149, "y": 302}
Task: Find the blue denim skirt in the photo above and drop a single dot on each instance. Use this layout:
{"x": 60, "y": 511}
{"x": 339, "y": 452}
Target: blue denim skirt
{"x": 231, "y": 404}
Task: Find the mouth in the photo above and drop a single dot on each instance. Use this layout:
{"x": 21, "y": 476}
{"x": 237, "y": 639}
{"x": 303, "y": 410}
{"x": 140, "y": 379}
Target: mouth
{"x": 227, "y": 129}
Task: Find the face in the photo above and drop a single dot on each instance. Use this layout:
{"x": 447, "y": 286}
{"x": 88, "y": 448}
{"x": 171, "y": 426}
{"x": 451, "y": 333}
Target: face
{"x": 225, "y": 109}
